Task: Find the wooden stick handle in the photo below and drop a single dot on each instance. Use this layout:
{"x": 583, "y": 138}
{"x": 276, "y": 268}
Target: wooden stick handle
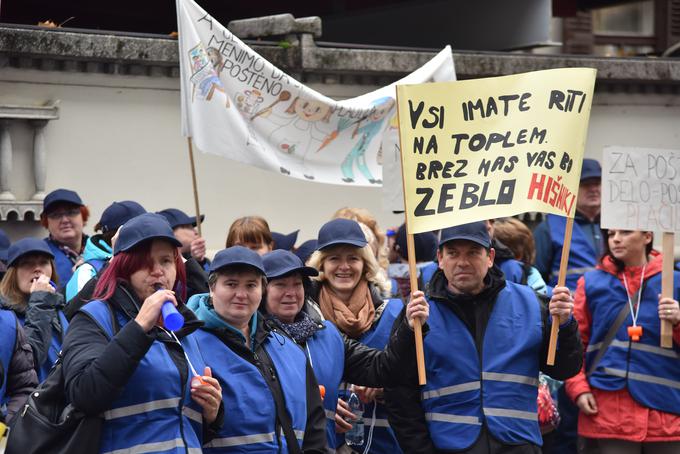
{"x": 668, "y": 246}
{"x": 417, "y": 328}
{"x": 193, "y": 179}
{"x": 561, "y": 279}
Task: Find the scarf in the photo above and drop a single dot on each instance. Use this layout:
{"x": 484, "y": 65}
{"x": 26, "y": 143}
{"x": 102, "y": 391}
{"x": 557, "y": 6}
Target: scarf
{"x": 353, "y": 318}
{"x": 301, "y": 329}
{"x": 72, "y": 255}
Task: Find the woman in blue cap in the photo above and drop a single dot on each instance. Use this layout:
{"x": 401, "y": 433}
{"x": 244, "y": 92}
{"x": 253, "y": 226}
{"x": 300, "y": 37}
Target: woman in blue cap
{"x": 269, "y": 390}
{"x": 29, "y": 289}
{"x": 349, "y": 292}
{"x": 64, "y": 215}
{"x": 121, "y": 362}
{"x": 334, "y": 357}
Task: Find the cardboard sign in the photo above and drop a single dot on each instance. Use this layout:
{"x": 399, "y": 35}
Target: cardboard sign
{"x": 641, "y": 189}
{"x": 488, "y": 148}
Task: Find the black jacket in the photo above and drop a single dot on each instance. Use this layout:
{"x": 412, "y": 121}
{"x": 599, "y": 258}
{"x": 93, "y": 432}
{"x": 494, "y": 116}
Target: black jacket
{"x": 315, "y": 430}
{"x": 40, "y": 321}
{"x": 96, "y": 370}
{"x": 21, "y": 376}
{"x": 406, "y": 415}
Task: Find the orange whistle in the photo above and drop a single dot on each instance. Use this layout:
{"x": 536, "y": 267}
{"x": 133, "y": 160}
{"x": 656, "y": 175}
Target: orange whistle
{"x": 197, "y": 381}
{"x": 322, "y": 391}
{"x": 635, "y": 332}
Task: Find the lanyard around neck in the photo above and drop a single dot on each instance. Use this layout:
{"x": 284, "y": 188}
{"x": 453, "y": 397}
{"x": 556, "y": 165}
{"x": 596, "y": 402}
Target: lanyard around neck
{"x": 635, "y": 309}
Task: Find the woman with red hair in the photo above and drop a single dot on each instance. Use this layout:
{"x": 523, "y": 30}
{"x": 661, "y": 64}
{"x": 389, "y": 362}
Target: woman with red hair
{"x": 122, "y": 362}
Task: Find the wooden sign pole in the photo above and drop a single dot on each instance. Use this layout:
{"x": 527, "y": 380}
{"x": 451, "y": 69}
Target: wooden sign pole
{"x": 413, "y": 277}
{"x": 668, "y": 246}
{"x": 561, "y": 279}
{"x": 193, "y": 179}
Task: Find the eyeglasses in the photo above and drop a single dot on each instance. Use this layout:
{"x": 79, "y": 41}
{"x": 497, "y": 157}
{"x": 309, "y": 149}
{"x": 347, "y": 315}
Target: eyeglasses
{"x": 56, "y": 215}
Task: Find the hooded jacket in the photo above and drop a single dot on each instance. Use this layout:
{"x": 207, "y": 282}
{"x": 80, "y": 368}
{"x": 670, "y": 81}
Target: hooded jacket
{"x": 407, "y": 416}
{"x": 96, "y": 253}
{"x": 256, "y": 354}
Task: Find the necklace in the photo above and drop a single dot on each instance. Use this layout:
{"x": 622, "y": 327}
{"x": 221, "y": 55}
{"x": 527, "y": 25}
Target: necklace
{"x": 635, "y": 331}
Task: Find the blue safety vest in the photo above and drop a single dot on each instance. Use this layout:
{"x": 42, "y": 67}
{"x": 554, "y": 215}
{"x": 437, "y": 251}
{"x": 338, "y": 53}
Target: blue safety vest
{"x": 155, "y": 411}
{"x": 650, "y": 373}
{"x": 54, "y": 348}
{"x": 427, "y": 272}
{"x": 326, "y": 352}
{"x": 249, "y": 407}
{"x": 384, "y": 440}
{"x": 582, "y": 253}
{"x": 8, "y": 339}
{"x": 462, "y": 394}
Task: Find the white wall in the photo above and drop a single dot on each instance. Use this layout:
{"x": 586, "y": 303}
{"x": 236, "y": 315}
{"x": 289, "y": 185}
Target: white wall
{"x": 118, "y": 138}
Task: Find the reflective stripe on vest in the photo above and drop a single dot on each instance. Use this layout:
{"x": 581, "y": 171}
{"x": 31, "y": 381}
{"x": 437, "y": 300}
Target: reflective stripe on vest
{"x": 8, "y": 338}
{"x": 648, "y": 372}
{"x": 384, "y": 441}
{"x": 247, "y": 398}
{"x": 452, "y": 399}
{"x": 155, "y": 447}
{"x": 582, "y": 254}
{"x": 326, "y": 349}
{"x": 151, "y": 415}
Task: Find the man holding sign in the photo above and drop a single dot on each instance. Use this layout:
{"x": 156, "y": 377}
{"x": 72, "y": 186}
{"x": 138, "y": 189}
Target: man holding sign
{"x": 476, "y": 150}
{"x": 501, "y": 333}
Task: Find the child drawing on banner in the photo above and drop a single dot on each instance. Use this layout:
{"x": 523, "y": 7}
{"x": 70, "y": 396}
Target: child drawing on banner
{"x": 204, "y": 73}
{"x": 302, "y": 130}
{"x": 366, "y": 132}
{"x": 249, "y": 103}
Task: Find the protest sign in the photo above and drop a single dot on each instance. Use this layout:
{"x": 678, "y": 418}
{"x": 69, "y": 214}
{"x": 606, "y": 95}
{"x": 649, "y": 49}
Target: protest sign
{"x": 488, "y": 148}
{"x": 238, "y": 105}
{"x": 641, "y": 189}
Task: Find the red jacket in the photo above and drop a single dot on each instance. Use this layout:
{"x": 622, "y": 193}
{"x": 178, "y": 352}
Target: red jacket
{"x": 619, "y": 415}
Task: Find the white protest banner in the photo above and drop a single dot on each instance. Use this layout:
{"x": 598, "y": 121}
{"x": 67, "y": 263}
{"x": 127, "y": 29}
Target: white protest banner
{"x": 641, "y": 189}
{"x": 238, "y": 105}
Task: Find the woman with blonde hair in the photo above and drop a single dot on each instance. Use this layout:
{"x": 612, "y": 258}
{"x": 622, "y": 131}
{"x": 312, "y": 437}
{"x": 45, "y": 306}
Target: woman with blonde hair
{"x": 29, "y": 289}
{"x": 378, "y": 240}
{"x": 349, "y": 292}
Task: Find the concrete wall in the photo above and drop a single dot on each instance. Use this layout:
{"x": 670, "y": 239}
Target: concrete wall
{"x": 118, "y": 138}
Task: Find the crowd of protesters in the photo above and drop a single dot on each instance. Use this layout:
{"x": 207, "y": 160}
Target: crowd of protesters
{"x": 276, "y": 340}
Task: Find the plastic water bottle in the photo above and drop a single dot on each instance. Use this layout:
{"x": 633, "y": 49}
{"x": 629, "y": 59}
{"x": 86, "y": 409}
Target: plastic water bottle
{"x": 355, "y": 436}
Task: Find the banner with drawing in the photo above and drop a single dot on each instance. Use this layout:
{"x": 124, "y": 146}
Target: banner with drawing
{"x": 238, "y": 105}
{"x": 488, "y": 148}
{"x": 641, "y": 189}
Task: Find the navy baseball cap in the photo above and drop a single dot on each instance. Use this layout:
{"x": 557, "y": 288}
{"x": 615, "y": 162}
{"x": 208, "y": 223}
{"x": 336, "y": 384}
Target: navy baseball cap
{"x": 474, "y": 231}
{"x": 61, "y": 195}
{"x": 118, "y": 213}
{"x": 4, "y": 245}
{"x": 177, "y": 217}
{"x": 286, "y": 242}
{"x": 27, "y": 246}
{"x": 341, "y": 231}
{"x": 590, "y": 169}
{"x": 425, "y": 245}
{"x": 306, "y": 249}
{"x": 278, "y": 263}
{"x": 144, "y": 227}
{"x": 237, "y": 255}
